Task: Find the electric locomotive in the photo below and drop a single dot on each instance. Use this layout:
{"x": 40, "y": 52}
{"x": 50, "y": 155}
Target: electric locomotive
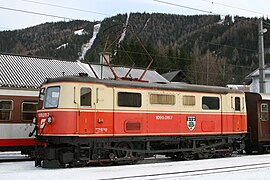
{"x": 84, "y": 120}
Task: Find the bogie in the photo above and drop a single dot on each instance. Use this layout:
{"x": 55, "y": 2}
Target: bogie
{"x": 128, "y": 151}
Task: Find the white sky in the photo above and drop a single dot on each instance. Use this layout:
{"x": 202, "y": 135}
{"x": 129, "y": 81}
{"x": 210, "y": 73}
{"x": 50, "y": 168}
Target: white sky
{"x": 105, "y": 8}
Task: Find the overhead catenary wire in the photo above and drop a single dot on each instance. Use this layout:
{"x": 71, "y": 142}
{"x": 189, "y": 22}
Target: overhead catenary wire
{"x": 234, "y": 7}
{"x": 62, "y": 17}
{"x": 66, "y": 7}
{"x": 192, "y": 8}
{"x": 186, "y": 7}
{"x": 36, "y": 13}
{"x": 174, "y": 57}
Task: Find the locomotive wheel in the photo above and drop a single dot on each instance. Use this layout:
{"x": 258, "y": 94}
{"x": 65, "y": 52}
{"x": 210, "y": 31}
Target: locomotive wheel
{"x": 106, "y": 163}
{"x": 188, "y": 156}
{"x": 262, "y": 150}
{"x": 122, "y": 153}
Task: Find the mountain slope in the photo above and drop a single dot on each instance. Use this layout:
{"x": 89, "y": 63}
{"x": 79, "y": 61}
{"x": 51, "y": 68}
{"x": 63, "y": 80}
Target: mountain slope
{"x": 205, "y": 47}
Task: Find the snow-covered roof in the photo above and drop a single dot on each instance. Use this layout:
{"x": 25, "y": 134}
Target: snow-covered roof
{"x": 30, "y": 72}
{"x": 256, "y": 72}
{"x": 104, "y": 72}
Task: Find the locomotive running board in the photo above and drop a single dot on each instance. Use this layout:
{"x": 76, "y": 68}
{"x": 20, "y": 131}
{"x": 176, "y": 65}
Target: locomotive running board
{"x": 169, "y": 150}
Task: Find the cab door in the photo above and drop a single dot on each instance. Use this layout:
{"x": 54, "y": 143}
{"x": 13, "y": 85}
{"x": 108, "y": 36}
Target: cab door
{"x": 87, "y": 111}
{"x": 238, "y": 116}
{"x": 263, "y": 121}
{"x": 211, "y": 118}
{"x": 103, "y": 110}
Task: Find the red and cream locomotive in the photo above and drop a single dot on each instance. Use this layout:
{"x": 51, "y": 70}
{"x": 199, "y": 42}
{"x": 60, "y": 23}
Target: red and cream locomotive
{"x": 87, "y": 120}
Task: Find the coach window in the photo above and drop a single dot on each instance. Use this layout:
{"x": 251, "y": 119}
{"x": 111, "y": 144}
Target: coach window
{"x": 129, "y": 99}
{"x": 264, "y": 112}
{"x": 29, "y": 109}
{"x": 162, "y": 99}
{"x": 52, "y": 97}
{"x": 6, "y": 110}
{"x": 210, "y": 103}
{"x": 85, "y": 94}
{"x": 237, "y": 103}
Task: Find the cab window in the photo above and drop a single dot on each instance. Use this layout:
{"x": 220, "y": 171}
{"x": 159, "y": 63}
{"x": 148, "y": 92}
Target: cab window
{"x": 85, "y": 96}
{"x": 237, "y": 103}
{"x": 41, "y": 98}
{"x": 52, "y": 97}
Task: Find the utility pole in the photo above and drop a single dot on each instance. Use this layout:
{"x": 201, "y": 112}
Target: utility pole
{"x": 261, "y": 57}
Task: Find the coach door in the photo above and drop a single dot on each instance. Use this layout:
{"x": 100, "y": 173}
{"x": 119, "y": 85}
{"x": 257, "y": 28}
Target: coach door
{"x": 86, "y": 109}
{"x": 263, "y": 121}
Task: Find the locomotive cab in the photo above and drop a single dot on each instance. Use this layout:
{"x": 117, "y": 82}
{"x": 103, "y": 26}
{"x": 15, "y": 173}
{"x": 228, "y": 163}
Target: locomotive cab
{"x": 74, "y": 109}
{"x": 53, "y": 104}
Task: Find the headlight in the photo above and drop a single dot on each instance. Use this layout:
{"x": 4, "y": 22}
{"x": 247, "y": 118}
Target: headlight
{"x": 34, "y": 120}
{"x": 50, "y": 120}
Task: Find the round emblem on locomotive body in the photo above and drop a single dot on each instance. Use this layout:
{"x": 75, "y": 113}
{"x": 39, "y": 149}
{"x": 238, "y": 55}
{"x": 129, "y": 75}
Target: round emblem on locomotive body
{"x": 191, "y": 122}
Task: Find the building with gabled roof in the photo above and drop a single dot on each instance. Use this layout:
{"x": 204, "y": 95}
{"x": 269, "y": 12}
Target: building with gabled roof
{"x": 253, "y": 80}
{"x": 176, "y": 76}
{"x": 30, "y": 72}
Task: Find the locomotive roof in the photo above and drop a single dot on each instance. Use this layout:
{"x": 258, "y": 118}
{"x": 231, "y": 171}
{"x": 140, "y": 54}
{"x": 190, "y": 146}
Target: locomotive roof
{"x": 147, "y": 85}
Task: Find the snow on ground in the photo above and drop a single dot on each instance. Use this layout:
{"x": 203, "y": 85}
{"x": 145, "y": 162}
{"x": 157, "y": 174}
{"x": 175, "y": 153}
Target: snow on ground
{"x": 88, "y": 45}
{"x": 26, "y": 170}
{"x": 79, "y": 32}
{"x": 145, "y": 25}
{"x": 62, "y": 46}
{"x": 124, "y": 30}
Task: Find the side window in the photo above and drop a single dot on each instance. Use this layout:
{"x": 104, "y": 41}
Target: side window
{"x": 6, "y": 110}
{"x": 41, "y": 98}
{"x": 264, "y": 112}
{"x": 85, "y": 96}
{"x": 162, "y": 99}
{"x": 128, "y": 99}
{"x": 210, "y": 103}
{"x": 189, "y": 100}
{"x": 237, "y": 104}
{"x": 52, "y": 97}
{"x": 29, "y": 109}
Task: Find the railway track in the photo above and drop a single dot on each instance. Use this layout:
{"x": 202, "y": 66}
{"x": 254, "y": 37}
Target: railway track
{"x": 243, "y": 167}
{"x": 13, "y": 157}
{"x": 197, "y": 172}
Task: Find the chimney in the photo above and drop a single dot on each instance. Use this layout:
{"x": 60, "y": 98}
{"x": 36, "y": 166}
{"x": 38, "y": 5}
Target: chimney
{"x": 103, "y": 57}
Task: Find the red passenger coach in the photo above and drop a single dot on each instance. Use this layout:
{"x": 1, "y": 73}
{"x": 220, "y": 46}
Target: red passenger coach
{"x": 86, "y": 120}
{"x": 258, "y": 106}
{"x": 17, "y": 109}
